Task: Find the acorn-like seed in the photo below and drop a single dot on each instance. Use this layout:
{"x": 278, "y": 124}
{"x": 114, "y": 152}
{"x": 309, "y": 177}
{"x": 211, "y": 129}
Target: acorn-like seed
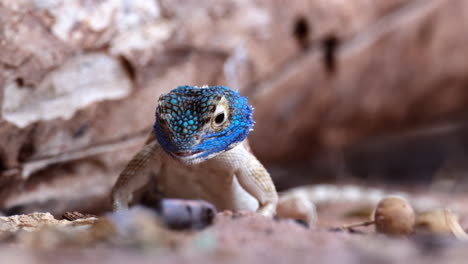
{"x": 394, "y": 216}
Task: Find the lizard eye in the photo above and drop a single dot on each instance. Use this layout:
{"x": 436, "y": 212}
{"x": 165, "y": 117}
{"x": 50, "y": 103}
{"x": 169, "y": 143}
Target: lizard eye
{"x": 219, "y": 119}
{"x": 220, "y": 115}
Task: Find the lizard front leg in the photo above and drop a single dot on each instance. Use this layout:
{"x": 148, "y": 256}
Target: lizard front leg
{"x": 256, "y": 180}
{"x": 135, "y": 175}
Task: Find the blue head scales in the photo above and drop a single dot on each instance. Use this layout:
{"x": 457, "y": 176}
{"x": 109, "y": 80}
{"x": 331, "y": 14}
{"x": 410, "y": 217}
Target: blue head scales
{"x": 194, "y": 124}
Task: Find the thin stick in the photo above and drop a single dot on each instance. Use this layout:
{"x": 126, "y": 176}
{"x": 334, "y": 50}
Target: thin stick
{"x": 366, "y": 223}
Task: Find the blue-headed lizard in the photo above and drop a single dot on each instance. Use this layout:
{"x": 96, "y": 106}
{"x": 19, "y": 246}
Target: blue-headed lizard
{"x": 198, "y": 150}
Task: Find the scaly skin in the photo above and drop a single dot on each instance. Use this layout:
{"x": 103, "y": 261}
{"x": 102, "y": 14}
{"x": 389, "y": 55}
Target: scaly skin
{"x": 198, "y": 150}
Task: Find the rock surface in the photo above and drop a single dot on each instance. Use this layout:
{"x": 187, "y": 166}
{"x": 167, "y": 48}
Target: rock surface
{"x": 400, "y": 72}
{"x": 234, "y": 238}
{"x": 36, "y": 221}
{"x": 79, "y": 80}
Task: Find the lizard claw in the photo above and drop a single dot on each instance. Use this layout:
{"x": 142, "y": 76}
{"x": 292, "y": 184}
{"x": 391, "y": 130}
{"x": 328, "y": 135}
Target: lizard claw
{"x": 268, "y": 209}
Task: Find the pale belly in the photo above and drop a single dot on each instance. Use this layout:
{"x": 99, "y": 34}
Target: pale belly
{"x": 205, "y": 181}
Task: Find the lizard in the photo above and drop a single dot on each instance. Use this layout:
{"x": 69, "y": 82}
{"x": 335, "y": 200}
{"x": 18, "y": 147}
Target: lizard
{"x": 198, "y": 149}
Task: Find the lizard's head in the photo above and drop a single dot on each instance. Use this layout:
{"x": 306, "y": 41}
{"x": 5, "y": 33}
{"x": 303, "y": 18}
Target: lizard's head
{"x": 194, "y": 124}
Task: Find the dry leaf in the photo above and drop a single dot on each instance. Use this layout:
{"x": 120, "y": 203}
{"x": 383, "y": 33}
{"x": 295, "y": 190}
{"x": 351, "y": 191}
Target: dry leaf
{"x": 432, "y": 221}
{"x": 452, "y": 221}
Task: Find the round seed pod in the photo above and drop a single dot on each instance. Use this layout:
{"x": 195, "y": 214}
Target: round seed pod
{"x": 394, "y": 216}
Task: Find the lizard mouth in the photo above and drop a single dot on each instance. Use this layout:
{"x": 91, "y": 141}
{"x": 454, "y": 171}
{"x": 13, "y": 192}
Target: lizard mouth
{"x": 185, "y": 154}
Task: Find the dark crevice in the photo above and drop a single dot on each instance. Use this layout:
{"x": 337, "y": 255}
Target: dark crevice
{"x": 80, "y": 131}
{"x": 19, "y": 81}
{"x": 329, "y": 47}
{"x": 27, "y": 149}
{"x": 15, "y": 210}
{"x": 3, "y": 160}
{"x": 128, "y": 67}
{"x": 301, "y": 32}
{"x": 23, "y": 83}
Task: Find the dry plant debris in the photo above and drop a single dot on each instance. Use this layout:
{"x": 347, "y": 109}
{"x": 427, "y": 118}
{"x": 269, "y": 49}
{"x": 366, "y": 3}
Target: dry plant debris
{"x": 394, "y": 215}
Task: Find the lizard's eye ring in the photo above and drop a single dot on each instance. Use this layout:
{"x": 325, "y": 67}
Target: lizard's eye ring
{"x": 219, "y": 119}
{"x": 221, "y": 115}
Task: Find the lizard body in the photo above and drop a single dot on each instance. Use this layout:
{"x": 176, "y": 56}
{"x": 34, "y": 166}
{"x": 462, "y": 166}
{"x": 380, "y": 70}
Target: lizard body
{"x": 198, "y": 150}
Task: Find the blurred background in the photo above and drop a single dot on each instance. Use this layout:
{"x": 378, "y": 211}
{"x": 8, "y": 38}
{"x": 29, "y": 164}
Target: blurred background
{"x": 358, "y": 91}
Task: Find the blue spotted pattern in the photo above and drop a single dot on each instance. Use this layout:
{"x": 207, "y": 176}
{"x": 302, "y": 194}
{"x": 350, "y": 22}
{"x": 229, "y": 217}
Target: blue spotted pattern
{"x": 184, "y": 117}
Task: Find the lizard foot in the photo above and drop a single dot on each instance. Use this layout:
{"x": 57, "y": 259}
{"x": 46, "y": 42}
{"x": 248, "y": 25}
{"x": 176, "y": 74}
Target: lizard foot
{"x": 268, "y": 209}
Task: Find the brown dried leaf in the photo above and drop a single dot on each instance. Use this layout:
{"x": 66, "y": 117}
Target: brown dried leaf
{"x": 432, "y": 221}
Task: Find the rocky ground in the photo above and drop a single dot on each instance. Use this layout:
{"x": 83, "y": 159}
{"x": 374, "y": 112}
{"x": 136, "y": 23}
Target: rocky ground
{"x": 138, "y": 236}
